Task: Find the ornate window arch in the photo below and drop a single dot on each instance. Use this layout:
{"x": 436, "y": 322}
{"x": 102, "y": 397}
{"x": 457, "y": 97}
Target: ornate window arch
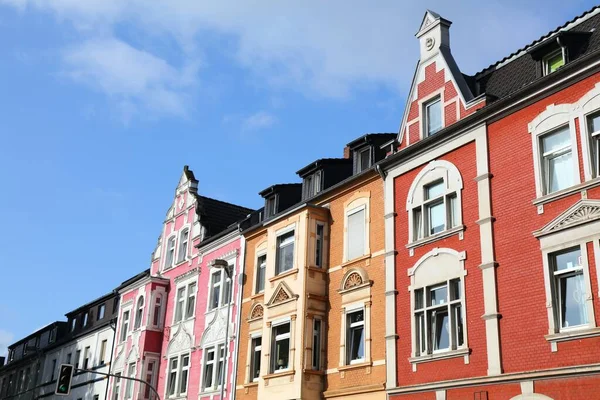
{"x": 139, "y": 312}
{"x": 437, "y": 302}
{"x": 554, "y": 145}
{"x": 587, "y": 111}
{"x": 434, "y": 203}
{"x": 355, "y": 277}
{"x": 257, "y": 311}
{"x": 169, "y": 259}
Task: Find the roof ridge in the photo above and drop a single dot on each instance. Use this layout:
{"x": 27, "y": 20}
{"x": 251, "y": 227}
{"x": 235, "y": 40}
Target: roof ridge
{"x": 542, "y": 38}
{"x": 225, "y": 202}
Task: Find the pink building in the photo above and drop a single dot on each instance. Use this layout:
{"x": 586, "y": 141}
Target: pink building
{"x": 172, "y": 324}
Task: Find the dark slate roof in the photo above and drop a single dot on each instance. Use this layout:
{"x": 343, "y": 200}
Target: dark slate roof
{"x": 216, "y": 215}
{"x": 322, "y": 162}
{"x": 373, "y": 137}
{"x": 89, "y": 304}
{"x": 277, "y": 187}
{"x": 519, "y": 69}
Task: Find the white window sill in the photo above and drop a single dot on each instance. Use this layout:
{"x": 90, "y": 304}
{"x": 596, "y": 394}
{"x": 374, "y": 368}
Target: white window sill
{"x": 566, "y": 192}
{"x": 574, "y": 334}
{"x": 442, "y": 235}
{"x": 442, "y": 355}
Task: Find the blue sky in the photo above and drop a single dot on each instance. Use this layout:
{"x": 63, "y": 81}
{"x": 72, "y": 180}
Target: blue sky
{"x": 104, "y": 101}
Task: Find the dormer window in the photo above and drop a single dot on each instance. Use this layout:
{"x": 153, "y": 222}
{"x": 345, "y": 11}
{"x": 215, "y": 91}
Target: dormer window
{"x": 312, "y": 185}
{"x": 433, "y": 116}
{"x": 271, "y": 206}
{"x": 362, "y": 160}
{"x": 553, "y": 61}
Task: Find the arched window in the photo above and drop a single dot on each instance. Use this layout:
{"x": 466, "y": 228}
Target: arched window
{"x": 183, "y": 245}
{"x": 139, "y": 313}
{"x": 434, "y": 202}
{"x": 170, "y": 256}
{"x": 156, "y": 317}
{"x": 588, "y": 113}
{"x": 438, "y": 305}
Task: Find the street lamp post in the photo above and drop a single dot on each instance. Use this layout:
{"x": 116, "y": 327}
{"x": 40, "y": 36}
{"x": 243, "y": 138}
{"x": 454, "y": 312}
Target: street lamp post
{"x": 222, "y": 264}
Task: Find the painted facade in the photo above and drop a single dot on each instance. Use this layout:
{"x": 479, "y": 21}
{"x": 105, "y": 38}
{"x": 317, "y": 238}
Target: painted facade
{"x": 172, "y": 323}
{"x": 492, "y": 231}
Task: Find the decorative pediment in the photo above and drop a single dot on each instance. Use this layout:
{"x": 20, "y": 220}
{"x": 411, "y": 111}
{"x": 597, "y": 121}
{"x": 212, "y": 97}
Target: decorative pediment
{"x": 216, "y": 328}
{"x": 354, "y": 279}
{"x": 133, "y": 355}
{"x": 257, "y": 312}
{"x": 582, "y": 212}
{"x": 281, "y": 294}
{"x": 120, "y": 359}
{"x": 181, "y": 341}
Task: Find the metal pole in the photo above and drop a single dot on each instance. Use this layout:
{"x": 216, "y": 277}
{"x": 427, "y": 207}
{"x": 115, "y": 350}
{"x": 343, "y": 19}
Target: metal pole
{"x": 228, "y": 272}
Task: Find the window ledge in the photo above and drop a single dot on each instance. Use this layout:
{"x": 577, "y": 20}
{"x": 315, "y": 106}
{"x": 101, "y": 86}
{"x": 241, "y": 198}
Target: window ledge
{"x": 439, "y": 356}
{"x": 566, "y": 192}
{"x": 316, "y": 269}
{"x": 285, "y": 274}
{"x": 355, "y": 260}
{"x": 288, "y": 372}
{"x": 442, "y": 235}
{"x": 314, "y": 372}
{"x": 251, "y": 384}
{"x": 573, "y": 335}
{"x": 354, "y": 366}
{"x": 257, "y": 295}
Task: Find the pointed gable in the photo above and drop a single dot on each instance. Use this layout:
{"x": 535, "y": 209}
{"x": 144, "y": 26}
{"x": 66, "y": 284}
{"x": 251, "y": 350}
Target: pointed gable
{"x": 582, "y": 212}
{"x": 281, "y": 294}
{"x": 437, "y": 84}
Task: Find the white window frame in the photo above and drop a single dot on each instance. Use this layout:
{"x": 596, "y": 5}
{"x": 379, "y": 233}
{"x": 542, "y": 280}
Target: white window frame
{"x": 130, "y": 385}
{"x": 356, "y": 203}
{"x": 276, "y": 338}
{"x": 553, "y": 118}
{"x": 254, "y": 349}
{"x": 157, "y": 310}
{"x": 587, "y": 106}
{"x": 170, "y": 261}
{"x": 349, "y": 213}
{"x": 290, "y": 241}
{"x": 150, "y": 376}
{"x": 260, "y": 266}
{"x": 101, "y": 311}
{"x": 139, "y": 313}
{"x": 102, "y": 352}
{"x": 182, "y": 304}
{"x": 433, "y": 172}
{"x": 426, "y": 273}
{"x": 222, "y": 286}
{"x": 182, "y": 253}
{"x": 360, "y": 154}
{"x": 178, "y": 374}
{"x": 116, "y": 392}
{"x": 217, "y": 363}
{"x": 348, "y": 334}
{"x": 546, "y": 59}
{"x": 125, "y": 325}
{"x": 437, "y": 98}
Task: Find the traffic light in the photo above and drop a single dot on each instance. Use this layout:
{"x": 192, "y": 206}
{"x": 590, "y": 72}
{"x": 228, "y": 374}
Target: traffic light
{"x": 63, "y": 383}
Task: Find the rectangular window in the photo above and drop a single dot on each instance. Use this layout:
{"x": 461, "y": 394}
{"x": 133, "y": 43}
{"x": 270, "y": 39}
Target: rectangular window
{"x": 280, "y": 352}
{"x": 439, "y": 211}
{"x": 150, "y": 378}
{"x": 172, "y": 382}
{"x": 53, "y": 370}
{"x": 356, "y": 234}
{"x": 77, "y": 358}
{"x": 157, "y": 311}
{"x": 101, "y": 310}
{"x": 226, "y": 290}
{"x": 316, "y": 345}
{"x": 191, "y": 300}
{"x": 209, "y": 369}
{"x": 129, "y": 384}
{"x": 569, "y": 288}
{"x": 85, "y": 318}
{"x": 102, "y": 357}
{"x": 312, "y": 185}
{"x": 255, "y": 358}
{"x": 73, "y": 324}
{"x": 86, "y": 357}
{"x": 433, "y": 116}
{"x": 594, "y": 138}
{"x": 125, "y": 326}
{"x": 285, "y": 253}
{"x": 52, "y": 338}
{"x": 215, "y": 290}
{"x": 170, "y": 256}
{"x": 68, "y": 360}
{"x": 117, "y": 387}
{"x": 553, "y": 61}
{"x": 183, "y": 380}
{"x": 261, "y": 268}
{"x": 183, "y": 245}
{"x": 363, "y": 159}
{"x": 557, "y": 160}
{"x": 271, "y": 206}
{"x": 319, "y": 237}
{"x": 355, "y": 337}
{"x": 220, "y": 365}
{"x": 180, "y": 303}
{"x": 438, "y": 318}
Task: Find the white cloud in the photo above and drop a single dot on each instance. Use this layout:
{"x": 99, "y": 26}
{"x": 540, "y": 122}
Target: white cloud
{"x": 259, "y": 120}
{"x": 135, "y": 78}
{"x": 6, "y": 339}
{"x": 320, "y": 48}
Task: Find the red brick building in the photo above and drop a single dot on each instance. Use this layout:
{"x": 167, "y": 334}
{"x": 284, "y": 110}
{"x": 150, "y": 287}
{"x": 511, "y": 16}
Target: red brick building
{"x": 492, "y": 220}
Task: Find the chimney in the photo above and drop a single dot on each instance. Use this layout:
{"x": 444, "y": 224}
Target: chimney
{"x": 347, "y": 152}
